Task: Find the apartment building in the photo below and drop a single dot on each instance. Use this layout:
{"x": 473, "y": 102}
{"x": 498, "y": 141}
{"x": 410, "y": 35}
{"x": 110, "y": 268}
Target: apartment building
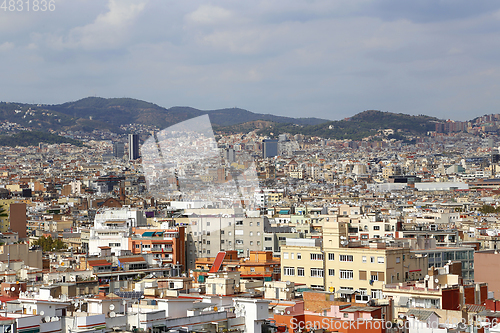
{"x": 166, "y": 245}
{"x": 212, "y": 232}
{"x": 337, "y": 265}
{"x": 15, "y": 219}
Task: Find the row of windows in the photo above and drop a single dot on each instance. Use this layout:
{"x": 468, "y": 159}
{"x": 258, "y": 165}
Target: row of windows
{"x": 229, "y": 223}
{"x": 292, "y": 256}
{"x": 342, "y": 257}
{"x": 345, "y": 274}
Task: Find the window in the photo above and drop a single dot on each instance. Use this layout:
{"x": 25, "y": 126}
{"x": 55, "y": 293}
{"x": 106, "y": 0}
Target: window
{"x": 208, "y": 233}
{"x": 316, "y": 272}
{"x": 331, "y": 272}
{"x": 258, "y": 242}
{"x": 346, "y": 274}
{"x": 208, "y": 224}
{"x": 222, "y": 241}
{"x": 398, "y": 260}
{"x": 251, "y": 243}
{"x": 372, "y": 260}
{"x": 316, "y": 256}
{"x": 268, "y": 239}
{"x": 251, "y": 223}
{"x": 299, "y": 256}
{"x": 268, "y": 248}
{"x": 289, "y": 271}
{"x": 258, "y": 224}
{"x": 300, "y": 271}
{"x": 376, "y": 293}
{"x": 285, "y": 255}
{"x": 363, "y": 259}
{"x": 331, "y": 256}
{"x": 239, "y": 241}
{"x": 346, "y": 315}
{"x": 239, "y": 222}
{"x": 374, "y": 276}
{"x": 251, "y": 233}
{"x": 380, "y": 260}
{"x": 345, "y": 257}
{"x": 362, "y": 275}
{"x": 208, "y": 251}
{"x": 376, "y": 227}
{"x": 222, "y": 232}
{"x": 293, "y": 256}
{"x": 252, "y": 269}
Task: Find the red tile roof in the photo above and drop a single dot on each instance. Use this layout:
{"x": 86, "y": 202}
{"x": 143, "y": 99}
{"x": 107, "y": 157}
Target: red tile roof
{"x": 99, "y": 263}
{"x": 131, "y": 259}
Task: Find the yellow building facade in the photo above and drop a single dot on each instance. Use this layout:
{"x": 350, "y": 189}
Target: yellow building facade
{"x": 334, "y": 264}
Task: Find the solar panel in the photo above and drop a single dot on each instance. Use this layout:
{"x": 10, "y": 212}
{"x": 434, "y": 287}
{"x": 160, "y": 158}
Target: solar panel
{"x": 129, "y": 294}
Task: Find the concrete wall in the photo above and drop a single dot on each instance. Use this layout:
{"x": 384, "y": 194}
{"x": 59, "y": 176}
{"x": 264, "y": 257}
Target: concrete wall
{"x": 487, "y": 269}
{"x": 21, "y": 252}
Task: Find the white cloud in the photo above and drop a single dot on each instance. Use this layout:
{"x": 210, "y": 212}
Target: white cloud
{"x": 7, "y": 46}
{"x": 208, "y": 15}
{"x": 109, "y": 30}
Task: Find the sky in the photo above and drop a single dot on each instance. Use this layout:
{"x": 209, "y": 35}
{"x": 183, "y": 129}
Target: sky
{"x": 329, "y": 59}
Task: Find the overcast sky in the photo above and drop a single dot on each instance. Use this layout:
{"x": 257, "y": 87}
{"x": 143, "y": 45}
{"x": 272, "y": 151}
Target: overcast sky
{"x": 328, "y": 59}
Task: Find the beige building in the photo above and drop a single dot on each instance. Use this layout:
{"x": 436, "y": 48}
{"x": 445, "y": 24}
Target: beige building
{"x": 334, "y": 264}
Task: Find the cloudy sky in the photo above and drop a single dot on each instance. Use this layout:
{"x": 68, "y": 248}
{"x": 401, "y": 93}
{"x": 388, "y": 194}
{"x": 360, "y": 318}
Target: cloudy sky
{"x": 328, "y": 59}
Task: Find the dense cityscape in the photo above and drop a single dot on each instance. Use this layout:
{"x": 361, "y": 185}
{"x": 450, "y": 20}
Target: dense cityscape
{"x": 378, "y": 235}
{"x": 298, "y": 166}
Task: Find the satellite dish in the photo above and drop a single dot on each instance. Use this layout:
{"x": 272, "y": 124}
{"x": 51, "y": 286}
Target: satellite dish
{"x": 427, "y": 277}
{"x": 111, "y": 307}
{"x": 13, "y": 288}
{"x": 42, "y": 313}
{"x": 47, "y": 319}
{"x": 54, "y": 319}
{"x": 112, "y": 314}
{"x": 437, "y": 280}
{"x": 51, "y": 298}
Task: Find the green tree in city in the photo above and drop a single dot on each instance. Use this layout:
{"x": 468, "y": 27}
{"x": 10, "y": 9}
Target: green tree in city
{"x": 3, "y": 212}
{"x": 48, "y": 244}
{"x": 488, "y": 209}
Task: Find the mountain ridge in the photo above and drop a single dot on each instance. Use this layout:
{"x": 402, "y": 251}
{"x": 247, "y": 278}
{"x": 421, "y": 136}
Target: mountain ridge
{"x": 91, "y": 113}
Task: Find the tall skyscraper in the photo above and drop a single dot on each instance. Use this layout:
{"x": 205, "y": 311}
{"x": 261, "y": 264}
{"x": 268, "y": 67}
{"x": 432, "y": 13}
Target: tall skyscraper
{"x": 133, "y": 147}
{"x": 269, "y": 148}
{"x": 118, "y": 149}
{"x": 230, "y": 155}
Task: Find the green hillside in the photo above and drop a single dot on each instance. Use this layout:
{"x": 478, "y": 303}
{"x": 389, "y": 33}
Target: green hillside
{"x": 27, "y": 138}
{"x": 360, "y": 126}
